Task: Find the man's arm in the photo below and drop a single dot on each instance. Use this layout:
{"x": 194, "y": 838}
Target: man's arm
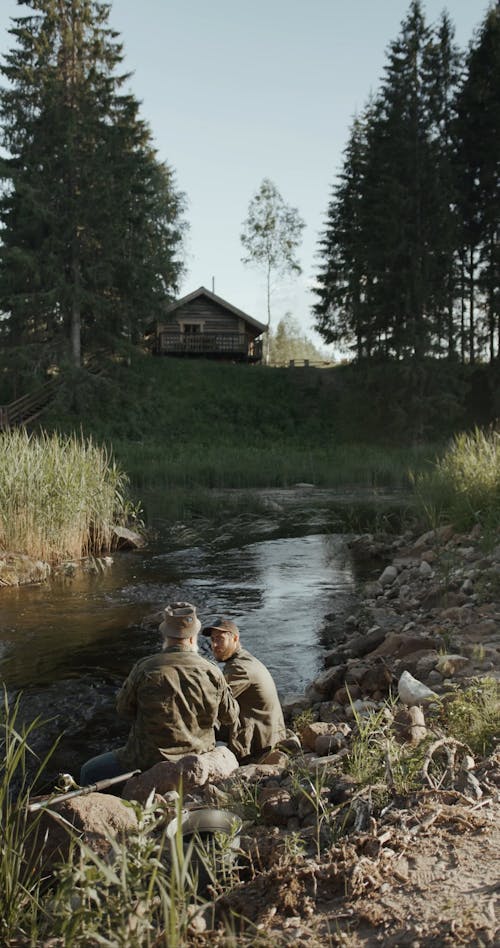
{"x": 237, "y": 678}
{"x": 229, "y": 711}
{"x": 126, "y": 700}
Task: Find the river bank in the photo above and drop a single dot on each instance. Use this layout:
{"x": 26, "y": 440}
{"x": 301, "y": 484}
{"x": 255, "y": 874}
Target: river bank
{"x": 380, "y": 822}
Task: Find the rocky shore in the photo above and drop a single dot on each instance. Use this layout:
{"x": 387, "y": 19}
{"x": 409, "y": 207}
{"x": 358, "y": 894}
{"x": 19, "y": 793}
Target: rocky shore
{"x": 377, "y": 820}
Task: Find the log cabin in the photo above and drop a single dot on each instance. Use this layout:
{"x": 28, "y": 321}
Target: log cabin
{"x": 203, "y": 324}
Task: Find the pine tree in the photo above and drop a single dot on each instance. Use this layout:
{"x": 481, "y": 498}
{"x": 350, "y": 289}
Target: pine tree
{"x": 388, "y": 274}
{"x": 84, "y": 198}
{"x": 478, "y": 163}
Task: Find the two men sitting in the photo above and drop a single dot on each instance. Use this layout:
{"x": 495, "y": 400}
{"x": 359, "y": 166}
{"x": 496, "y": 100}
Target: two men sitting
{"x": 178, "y": 700}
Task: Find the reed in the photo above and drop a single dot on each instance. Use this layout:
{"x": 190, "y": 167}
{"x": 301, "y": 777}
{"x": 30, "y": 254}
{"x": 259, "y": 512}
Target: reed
{"x": 463, "y": 485}
{"x": 59, "y": 495}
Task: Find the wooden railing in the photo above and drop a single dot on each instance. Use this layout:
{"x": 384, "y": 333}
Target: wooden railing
{"x": 221, "y": 343}
{"x": 28, "y": 407}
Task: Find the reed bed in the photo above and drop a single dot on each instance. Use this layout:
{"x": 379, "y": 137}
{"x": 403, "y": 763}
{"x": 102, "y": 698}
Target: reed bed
{"x": 464, "y": 484}
{"x": 59, "y": 495}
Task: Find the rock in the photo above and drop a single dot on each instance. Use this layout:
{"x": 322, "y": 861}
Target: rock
{"x": 193, "y": 770}
{"x": 344, "y": 696}
{"x": 328, "y": 682}
{"x": 448, "y": 665}
{"x": 128, "y": 539}
{"x": 413, "y": 692}
{"x": 388, "y": 576}
{"x": 276, "y": 806}
{"x": 277, "y": 758}
{"x": 425, "y": 569}
{"x": 17, "y": 569}
{"x": 373, "y": 590}
{"x": 329, "y": 744}
{"x": 311, "y": 732}
{"x": 293, "y": 704}
{"x": 93, "y": 817}
{"x": 361, "y": 708}
{"x": 409, "y": 724}
{"x": 397, "y": 645}
{"x": 330, "y": 712}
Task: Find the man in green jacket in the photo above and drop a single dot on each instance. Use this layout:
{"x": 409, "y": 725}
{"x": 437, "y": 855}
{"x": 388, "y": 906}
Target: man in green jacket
{"x": 176, "y": 699}
{"x": 261, "y": 723}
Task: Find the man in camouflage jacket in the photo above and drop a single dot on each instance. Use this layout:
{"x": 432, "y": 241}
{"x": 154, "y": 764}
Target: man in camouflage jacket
{"x": 176, "y": 699}
{"x": 261, "y": 723}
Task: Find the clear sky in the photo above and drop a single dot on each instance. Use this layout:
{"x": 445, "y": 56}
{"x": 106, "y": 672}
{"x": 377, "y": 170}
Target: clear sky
{"x": 238, "y": 90}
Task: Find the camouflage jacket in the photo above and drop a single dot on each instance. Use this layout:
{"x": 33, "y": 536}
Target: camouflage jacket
{"x": 175, "y": 698}
{"x": 261, "y": 718}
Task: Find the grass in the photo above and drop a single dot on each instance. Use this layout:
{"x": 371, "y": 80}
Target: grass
{"x": 141, "y": 892}
{"x": 463, "y": 485}
{"x": 20, "y": 865}
{"x": 189, "y": 423}
{"x": 59, "y": 495}
{"x": 472, "y": 715}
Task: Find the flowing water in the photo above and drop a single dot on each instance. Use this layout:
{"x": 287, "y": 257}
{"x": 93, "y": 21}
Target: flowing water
{"x": 68, "y": 645}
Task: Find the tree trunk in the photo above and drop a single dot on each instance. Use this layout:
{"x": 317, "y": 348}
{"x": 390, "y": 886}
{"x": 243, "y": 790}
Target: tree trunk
{"x": 76, "y": 312}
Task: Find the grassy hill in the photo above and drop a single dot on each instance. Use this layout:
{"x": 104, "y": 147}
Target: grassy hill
{"x": 187, "y": 422}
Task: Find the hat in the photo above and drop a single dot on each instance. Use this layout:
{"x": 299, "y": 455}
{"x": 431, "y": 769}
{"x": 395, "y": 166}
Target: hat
{"x": 180, "y": 622}
{"x": 221, "y": 625}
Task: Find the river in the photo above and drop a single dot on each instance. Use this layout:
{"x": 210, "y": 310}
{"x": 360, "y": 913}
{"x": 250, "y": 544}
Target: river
{"x": 65, "y": 646}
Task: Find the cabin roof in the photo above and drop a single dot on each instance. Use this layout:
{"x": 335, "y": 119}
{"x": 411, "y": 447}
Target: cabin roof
{"x": 202, "y": 291}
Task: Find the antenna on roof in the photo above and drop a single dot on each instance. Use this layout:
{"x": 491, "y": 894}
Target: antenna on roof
{"x": 213, "y": 284}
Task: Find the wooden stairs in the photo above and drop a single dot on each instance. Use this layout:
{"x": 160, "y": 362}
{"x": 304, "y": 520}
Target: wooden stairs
{"x": 25, "y": 409}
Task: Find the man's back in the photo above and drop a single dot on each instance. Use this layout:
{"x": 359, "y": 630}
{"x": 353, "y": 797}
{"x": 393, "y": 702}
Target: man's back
{"x": 175, "y": 698}
{"x": 262, "y": 725}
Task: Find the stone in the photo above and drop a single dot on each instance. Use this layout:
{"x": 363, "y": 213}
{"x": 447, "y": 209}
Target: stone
{"x": 277, "y": 758}
{"x": 311, "y": 732}
{"x": 425, "y": 569}
{"x": 276, "y": 806}
{"x": 413, "y": 692}
{"x": 346, "y": 694}
{"x": 128, "y": 539}
{"x": 293, "y": 704}
{"x": 397, "y": 645}
{"x": 329, "y": 744}
{"x": 93, "y": 817}
{"x": 329, "y": 680}
{"x": 409, "y": 725}
{"x": 192, "y": 770}
{"x": 388, "y": 576}
{"x": 373, "y": 590}
{"x": 448, "y": 665}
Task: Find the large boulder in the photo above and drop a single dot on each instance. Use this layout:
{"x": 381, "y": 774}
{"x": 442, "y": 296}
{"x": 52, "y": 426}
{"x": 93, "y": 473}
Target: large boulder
{"x": 93, "y": 818}
{"x": 190, "y": 772}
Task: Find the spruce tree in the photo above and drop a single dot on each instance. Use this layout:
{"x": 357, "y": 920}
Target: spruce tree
{"x": 478, "y": 173}
{"x": 91, "y": 221}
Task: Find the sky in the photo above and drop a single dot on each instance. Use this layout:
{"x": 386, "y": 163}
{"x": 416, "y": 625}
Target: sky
{"x": 235, "y": 91}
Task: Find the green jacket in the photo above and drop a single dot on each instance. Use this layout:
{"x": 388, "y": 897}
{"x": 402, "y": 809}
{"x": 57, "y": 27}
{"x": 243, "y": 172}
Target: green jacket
{"x": 175, "y": 698}
{"x": 261, "y": 718}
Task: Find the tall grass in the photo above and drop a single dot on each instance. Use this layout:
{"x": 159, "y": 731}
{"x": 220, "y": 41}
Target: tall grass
{"x": 59, "y": 496}
{"x": 253, "y": 463}
{"x": 464, "y": 484}
{"x": 20, "y": 864}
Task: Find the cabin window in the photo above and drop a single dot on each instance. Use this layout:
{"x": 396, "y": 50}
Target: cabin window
{"x": 191, "y": 328}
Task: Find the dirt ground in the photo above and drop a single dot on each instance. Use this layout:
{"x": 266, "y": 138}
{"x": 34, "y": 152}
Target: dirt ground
{"x": 427, "y": 874}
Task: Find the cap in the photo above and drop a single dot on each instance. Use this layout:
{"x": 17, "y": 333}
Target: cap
{"x": 221, "y": 625}
{"x": 180, "y": 622}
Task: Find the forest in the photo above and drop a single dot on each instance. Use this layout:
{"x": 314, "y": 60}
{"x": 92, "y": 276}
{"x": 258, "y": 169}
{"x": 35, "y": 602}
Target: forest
{"x": 410, "y": 252}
